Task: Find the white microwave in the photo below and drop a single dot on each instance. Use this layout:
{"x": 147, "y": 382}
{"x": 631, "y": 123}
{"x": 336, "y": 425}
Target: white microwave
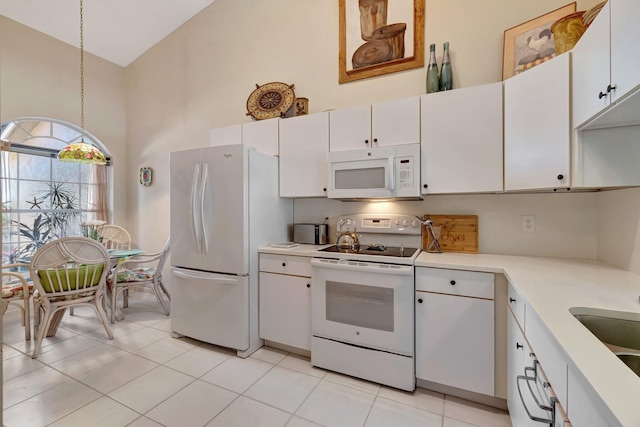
{"x": 375, "y": 173}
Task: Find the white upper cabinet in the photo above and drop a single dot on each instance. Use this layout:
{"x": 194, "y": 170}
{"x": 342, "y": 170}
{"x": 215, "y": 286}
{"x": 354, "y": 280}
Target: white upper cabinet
{"x": 382, "y": 124}
{"x": 229, "y": 135}
{"x": 304, "y": 145}
{"x": 605, "y": 64}
{"x": 537, "y": 127}
{"x": 462, "y": 140}
{"x": 261, "y": 135}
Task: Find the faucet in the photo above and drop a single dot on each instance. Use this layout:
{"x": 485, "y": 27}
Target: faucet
{"x": 434, "y": 246}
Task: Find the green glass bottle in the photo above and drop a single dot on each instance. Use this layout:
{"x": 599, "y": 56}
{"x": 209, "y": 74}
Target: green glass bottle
{"x": 445, "y": 72}
{"x": 432, "y": 71}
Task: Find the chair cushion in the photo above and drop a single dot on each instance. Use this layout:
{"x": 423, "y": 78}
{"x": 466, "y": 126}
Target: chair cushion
{"x": 14, "y": 289}
{"x": 136, "y": 275}
{"x": 83, "y": 271}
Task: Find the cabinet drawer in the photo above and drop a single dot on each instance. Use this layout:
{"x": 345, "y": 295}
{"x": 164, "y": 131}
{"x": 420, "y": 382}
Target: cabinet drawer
{"x": 455, "y": 282}
{"x": 517, "y": 305}
{"x": 286, "y": 264}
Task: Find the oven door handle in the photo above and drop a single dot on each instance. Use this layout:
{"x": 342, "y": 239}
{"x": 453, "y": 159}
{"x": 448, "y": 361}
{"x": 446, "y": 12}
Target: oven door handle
{"x": 396, "y": 270}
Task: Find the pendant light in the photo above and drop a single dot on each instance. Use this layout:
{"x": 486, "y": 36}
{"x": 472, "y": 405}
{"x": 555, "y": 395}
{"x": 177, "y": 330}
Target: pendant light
{"x": 81, "y": 152}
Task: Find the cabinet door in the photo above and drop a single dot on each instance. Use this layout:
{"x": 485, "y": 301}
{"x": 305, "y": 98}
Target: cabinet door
{"x": 590, "y": 72}
{"x": 262, "y": 135}
{"x": 285, "y": 309}
{"x": 396, "y": 122}
{"x": 625, "y": 46}
{"x": 304, "y": 144}
{"x": 455, "y": 341}
{"x": 537, "y": 127}
{"x": 515, "y": 366}
{"x": 350, "y": 128}
{"x": 462, "y": 140}
{"x": 228, "y": 135}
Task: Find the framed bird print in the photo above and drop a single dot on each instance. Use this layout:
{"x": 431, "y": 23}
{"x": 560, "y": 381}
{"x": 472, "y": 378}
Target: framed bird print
{"x": 531, "y": 43}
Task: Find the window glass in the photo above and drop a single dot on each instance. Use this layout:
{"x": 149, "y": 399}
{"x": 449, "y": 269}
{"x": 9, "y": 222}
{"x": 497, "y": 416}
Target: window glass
{"x": 42, "y": 197}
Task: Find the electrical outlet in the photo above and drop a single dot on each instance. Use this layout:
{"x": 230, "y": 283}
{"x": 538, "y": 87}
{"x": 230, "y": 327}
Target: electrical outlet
{"x": 528, "y": 224}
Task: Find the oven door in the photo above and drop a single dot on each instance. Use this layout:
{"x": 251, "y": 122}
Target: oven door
{"x": 361, "y": 174}
{"x": 364, "y": 304}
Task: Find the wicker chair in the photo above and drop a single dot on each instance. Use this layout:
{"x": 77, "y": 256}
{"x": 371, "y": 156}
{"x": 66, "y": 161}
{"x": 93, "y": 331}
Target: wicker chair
{"x": 115, "y": 237}
{"x": 130, "y": 273}
{"x": 67, "y": 272}
{"x": 17, "y": 289}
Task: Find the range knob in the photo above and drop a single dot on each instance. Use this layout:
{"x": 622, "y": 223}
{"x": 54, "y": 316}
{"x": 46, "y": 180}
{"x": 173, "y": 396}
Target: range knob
{"x": 415, "y": 223}
{"x": 406, "y": 222}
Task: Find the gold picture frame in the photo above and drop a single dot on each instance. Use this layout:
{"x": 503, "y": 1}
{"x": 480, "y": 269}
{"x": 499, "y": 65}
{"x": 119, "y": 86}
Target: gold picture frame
{"x": 374, "y": 34}
{"x": 531, "y": 43}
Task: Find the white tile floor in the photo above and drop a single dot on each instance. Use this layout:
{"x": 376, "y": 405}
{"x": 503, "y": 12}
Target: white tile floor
{"x": 145, "y": 378}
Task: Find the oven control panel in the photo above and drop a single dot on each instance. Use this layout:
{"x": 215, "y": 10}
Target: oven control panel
{"x": 384, "y": 223}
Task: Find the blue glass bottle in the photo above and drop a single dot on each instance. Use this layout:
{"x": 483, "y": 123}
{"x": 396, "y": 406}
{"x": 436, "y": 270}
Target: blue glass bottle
{"x": 446, "y": 80}
{"x": 432, "y": 71}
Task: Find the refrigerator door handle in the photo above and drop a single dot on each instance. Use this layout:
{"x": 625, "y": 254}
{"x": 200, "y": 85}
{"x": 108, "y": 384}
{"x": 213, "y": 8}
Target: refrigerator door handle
{"x": 194, "y": 208}
{"x": 223, "y": 281}
{"x": 205, "y": 178}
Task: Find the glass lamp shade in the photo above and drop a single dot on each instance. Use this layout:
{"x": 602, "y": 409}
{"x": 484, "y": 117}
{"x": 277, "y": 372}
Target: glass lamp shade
{"x": 81, "y": 152}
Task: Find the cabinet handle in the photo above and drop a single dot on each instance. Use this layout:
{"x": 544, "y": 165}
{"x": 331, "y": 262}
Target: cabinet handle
{"x": 284, "y": 264}
{"x": 308, "y": 285}
{"x": 324, "y": 189}
{"x": 610, "y": 88}
{"x": 512, "y": 300}
{"x": 366, "y": 141}
{"x": 519, "y": 346}
{"x": 602, "y": 95}
{"x": 453, "y": 282}
{"x": 420, "y": 300}
{"x": 375, "y": 139}
{"x": 425, "y": 186}
{"x": 560, "y": 177}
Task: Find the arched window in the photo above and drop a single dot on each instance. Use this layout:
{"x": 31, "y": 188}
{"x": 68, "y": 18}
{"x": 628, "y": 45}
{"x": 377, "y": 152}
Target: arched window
{"x": 42, "y": 197}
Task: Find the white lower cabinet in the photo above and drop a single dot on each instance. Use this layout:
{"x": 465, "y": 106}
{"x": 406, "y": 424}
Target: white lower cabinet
{"x": 285, "y": 301}
{"x": 532, "y": 396}
{"x": 455, "y": 331}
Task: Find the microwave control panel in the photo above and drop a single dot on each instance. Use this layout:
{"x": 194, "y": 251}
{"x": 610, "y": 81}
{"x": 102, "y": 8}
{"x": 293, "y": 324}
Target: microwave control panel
{"x": 385, "y": 223}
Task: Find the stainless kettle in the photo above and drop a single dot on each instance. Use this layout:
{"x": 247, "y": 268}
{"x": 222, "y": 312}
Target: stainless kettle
{"x": 347, "y": 237}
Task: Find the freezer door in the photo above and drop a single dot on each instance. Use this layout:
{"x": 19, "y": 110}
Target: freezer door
{"x": 213, "y": 308}
{"x": 225, "y": 217}
{"x": 186, "y": 172}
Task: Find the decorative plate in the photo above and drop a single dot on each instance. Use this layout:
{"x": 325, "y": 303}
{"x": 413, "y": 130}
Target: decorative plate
{"x": 270, "y": 100}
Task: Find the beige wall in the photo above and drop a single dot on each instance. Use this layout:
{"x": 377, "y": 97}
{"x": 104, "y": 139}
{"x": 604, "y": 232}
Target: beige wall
{"x": 40, "y": 76}
{"x": 619, "y": 228}
{"x": 200, "y": 76}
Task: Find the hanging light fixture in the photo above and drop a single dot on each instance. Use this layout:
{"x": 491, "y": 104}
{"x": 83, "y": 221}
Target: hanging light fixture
{"x": 81, "y": 152}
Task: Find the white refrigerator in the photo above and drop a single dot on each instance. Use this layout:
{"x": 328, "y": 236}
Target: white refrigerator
{"x": 224, "y": 206}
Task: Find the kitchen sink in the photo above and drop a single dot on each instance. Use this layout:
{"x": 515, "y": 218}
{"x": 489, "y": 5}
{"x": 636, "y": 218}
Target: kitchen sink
{"x": 618, "y": 330}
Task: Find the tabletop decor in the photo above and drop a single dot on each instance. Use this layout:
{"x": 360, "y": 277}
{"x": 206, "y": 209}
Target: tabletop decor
{"x": 379, "y": 37}
{"x": 91, "y": 229}
{"x": 146, "y": 175}
{"x": 531, "y": 43}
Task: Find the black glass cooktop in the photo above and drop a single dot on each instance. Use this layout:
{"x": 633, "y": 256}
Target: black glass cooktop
{"x": 374, "y": 249}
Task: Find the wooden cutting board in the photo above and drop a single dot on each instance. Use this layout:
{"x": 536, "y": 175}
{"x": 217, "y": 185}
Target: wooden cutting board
{"x": 458, "y": 233}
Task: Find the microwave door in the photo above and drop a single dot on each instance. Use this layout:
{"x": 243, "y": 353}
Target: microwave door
{"x": 362, "y": 179}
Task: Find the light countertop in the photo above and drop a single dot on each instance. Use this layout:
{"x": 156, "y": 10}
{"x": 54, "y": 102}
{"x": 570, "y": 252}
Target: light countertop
{"x": 551, "y": 287}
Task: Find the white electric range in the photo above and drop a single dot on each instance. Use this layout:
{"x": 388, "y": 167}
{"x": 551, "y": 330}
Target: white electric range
{"x": 363, "y": 302}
